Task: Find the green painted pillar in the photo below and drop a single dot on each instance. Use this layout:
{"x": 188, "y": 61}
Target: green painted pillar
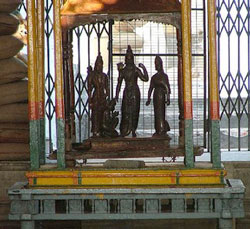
{"x": 60, "y": 129}
{"x": 60, "y": 112}
{"x": 187, "y": 82}
{"x": 214, "y": 86}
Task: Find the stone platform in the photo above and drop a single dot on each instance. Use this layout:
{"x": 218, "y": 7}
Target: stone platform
{"x": 29, "y": 205}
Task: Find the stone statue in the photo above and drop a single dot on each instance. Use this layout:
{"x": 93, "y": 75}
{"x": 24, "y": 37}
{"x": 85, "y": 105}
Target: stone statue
{"x": 110, "y": 120}
{"x": 98, "y": 92}
{"x": 131, "y": 94}
{"x": 160, "y": 84}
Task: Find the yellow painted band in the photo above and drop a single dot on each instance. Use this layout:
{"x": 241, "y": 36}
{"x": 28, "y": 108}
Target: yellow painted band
{"x": 189, "y": 172}
{"x": 214, "y": 90}
{"x": 186, "y": 50}
{"x": 58, "y": 58}
{"x": 32, "y": 55}
{"x": 199, "y": 180}
{"x": 127, "y": 177}
{"x": 40, "y": 55}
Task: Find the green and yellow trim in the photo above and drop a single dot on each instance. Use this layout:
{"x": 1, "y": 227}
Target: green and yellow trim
{"x": 118, "y": 178}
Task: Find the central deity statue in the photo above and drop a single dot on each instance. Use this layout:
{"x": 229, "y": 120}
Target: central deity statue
{"x": 131, "y": 95}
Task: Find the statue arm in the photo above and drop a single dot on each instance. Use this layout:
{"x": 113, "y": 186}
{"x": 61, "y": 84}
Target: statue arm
{"x": 107, "y": 86}
{"x": 168, "y": 85}
{"x": 169, "y": 90}
{"x": 119, "y": 84}
{"x": 150, "y": 90}
{"x": 143, "y": 76}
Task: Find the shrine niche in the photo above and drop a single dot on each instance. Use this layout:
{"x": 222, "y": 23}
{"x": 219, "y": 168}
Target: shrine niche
{"x": 113, "y": 83}
{"x": 110, "y": 87}
{"x": 122, "y": 139}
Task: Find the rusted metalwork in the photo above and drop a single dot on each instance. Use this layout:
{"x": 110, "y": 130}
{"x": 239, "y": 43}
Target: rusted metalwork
{"x": 86, "y": 7}
{"x": 71, "y": 21}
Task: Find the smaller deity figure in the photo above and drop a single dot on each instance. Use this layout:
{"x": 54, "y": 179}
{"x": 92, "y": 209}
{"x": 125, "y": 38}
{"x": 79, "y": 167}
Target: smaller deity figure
{"x": 131, "y": 94}
{"x": 160, "y": 84}
{"x": 98, "y": 92}
{"x": 110, "y": 120}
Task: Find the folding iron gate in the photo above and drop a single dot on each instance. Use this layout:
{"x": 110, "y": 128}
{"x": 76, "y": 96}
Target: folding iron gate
{"x": 233, "y": 30}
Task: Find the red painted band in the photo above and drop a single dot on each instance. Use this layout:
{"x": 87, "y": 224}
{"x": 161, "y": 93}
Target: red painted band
{"x": 59, "y": 109}
{"x": 33, "y": 110}
{"x": 214, "y": 111}
{"x": 188, "y": 110}
{"x": 41, "y": 109}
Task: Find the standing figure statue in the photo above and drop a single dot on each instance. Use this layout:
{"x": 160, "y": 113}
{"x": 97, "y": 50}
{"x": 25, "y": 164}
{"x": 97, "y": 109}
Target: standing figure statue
{"x": 98, "y": 92}
{"x": 160, "y": 84}
{"x": 131, "y": 94}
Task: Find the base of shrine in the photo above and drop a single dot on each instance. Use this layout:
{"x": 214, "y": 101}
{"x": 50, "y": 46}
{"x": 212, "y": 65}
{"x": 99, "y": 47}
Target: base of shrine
{"x": 162, "y": 174}
{"x": 100, "y": 148}
{"x": 29, "y": 205}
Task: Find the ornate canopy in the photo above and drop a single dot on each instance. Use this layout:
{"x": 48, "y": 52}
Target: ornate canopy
{"x": 78, "y": 12}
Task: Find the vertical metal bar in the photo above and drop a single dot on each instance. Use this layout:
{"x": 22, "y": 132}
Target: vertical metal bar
{"x": 205, "y": 73}
{"x": 89, "y": 43}
{"x": 66, "y": 83}
{"x": 214, "y": 91}
{"x": 187, "y": 76}
{"x": 219, "y": 45}
{"x": 248, "y": 4}
{"x": 72, "y": 86}
{"x": 79, "y": 85}
{"x": 60, "y": 120}
{"x": 48, "y": 77}
{"x": 98, "y": 37}
{"x": 32, "y": 86}
{"x": 238, "y": 75}
{"x": 180, "y": 88}
{"x": 41, "y": 79}
{"x": 110, "y": 23}
{"x": 229, "y": 85}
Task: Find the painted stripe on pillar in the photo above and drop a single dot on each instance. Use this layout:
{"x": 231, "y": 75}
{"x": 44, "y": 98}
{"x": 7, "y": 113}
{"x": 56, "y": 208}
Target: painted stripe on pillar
{"x": 60, "y": 109}
{"x": 188, "y": 108}
{"x": 215, "y": 144}
{"x": 187, "y": 82}
{"x": 33, "y": 86}
{"x": 60, "y": 123}
{"x": 187, "y": 59}
{"x": 213, "y": 69}
{"x": 41, "y": 78}
{"x": 60, "y": 128}
{"x": 34, "y": 144}
{"x": 214, "y": 86}
{"x": 214, "y": 110}
{"x": 33, "y": 110}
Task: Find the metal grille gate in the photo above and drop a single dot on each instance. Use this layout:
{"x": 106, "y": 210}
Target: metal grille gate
{"x": 233, "y": 20}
